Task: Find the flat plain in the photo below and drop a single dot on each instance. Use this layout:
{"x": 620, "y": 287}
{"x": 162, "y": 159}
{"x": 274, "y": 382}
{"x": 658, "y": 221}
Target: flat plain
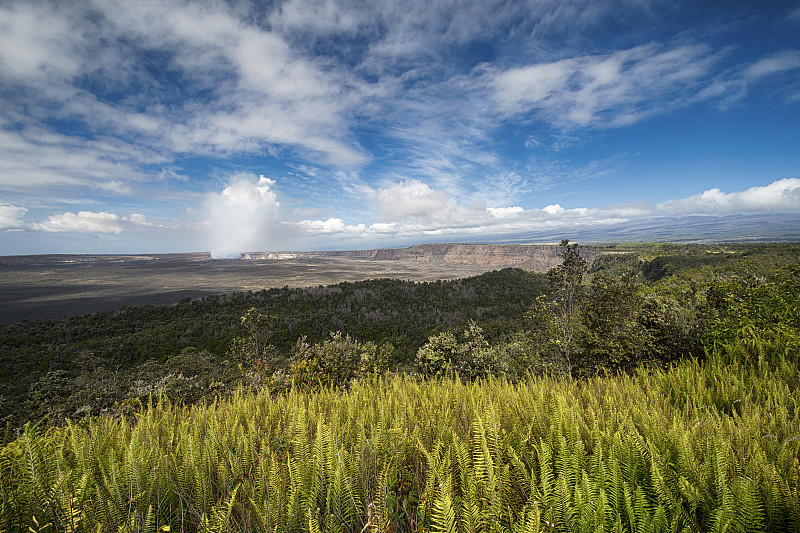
{"x": 46, "y": 287}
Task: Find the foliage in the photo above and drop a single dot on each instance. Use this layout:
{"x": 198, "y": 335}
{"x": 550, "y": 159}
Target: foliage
{"x": 564, "y": 321}
{"x": 336, "y": 361}
{"x": 332, "y": 442}
{"x": 255, "y": 344}
{"x": 614, "y": 323}
{"x": 615, "y": 337}
{"x": 703, "y": 446}
{"x": 468, "y": 355}
{"x": 758, "y": 316}
{"x": 551, "y": 336}
{"x": 86, "y": 364}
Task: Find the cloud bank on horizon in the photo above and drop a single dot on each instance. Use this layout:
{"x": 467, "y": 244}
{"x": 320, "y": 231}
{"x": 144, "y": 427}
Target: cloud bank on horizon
{"x": 301, "y": 124}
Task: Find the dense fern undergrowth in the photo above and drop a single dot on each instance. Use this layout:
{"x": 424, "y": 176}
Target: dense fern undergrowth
{"x": 613, "y": 405}
{"x": 709, "y": 446}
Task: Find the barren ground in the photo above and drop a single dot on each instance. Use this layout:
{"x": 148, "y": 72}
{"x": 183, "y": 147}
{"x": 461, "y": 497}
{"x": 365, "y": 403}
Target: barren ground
{"x": 45, "y": 287}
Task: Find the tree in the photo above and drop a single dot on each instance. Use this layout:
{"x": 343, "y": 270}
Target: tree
{"x": 564, "y": 319}
{"x": 254, "y": 347}
{"x": 615, "y": 338}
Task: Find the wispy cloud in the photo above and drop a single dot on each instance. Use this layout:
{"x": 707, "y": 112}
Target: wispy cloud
{"x": 232, "y": 87}
{"x": 732, "y": 87}
{"x": 614, "y": 89}
{"x": 794, "y": 16}
{"x": 35, "y": 158}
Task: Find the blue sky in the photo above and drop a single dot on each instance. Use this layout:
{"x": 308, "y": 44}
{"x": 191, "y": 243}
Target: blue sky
{"x": 169, "y": 126}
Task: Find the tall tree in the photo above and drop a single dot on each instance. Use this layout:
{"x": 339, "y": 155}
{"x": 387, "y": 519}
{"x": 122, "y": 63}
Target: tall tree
{"x": 567, "y": 278}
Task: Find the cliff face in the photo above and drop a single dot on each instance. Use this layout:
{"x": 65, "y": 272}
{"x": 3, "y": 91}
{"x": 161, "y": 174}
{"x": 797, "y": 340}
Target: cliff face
{"x": 536, "y": 257}
{"x": 530, "y": 257}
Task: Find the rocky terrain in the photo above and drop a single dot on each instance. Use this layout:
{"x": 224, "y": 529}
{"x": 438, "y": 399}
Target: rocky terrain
{"x": 536, "y": 257}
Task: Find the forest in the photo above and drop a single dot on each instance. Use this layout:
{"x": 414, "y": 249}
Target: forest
{"x": 655, "y": 389}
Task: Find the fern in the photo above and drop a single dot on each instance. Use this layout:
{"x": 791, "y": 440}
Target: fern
{"x": 443, "y": 515}
{"x": 652, "y": 452}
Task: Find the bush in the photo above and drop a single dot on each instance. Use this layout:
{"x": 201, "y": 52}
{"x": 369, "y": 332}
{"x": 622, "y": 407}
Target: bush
{"x": 470, "y": 357}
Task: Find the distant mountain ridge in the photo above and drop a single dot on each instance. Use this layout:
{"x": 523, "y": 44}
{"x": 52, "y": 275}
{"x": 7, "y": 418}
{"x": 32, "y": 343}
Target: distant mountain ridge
{"x": 536, "y": 257}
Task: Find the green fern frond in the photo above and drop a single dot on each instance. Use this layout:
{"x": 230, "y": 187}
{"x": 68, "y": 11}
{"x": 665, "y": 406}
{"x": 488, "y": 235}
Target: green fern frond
{"x": 443, "y": 516}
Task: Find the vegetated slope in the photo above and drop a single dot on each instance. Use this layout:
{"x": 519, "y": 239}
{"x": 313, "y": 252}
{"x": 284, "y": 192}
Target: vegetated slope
{"x": 657, "y": 312}
{"x": 700, "y": 447}
{"x": 706, "y": 444}
{"x": 52, "y": 358}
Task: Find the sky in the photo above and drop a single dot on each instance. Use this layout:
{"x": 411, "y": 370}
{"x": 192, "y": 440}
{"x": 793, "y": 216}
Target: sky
{"x": 171, "y": 126}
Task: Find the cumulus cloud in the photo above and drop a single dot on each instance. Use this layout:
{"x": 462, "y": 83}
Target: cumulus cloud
{"x": 330, "y": 226}
{"x": 138, "y": 219}
{"x": 92, "y": 222}
{"x": 505, "y": 212}
{"x": 244, "y": 217}
{"x": 11, "y": 216}
{"x": 411, "y": 199}
{"x": 82, "y": 222}
{"x": 782, "y": 196}
{"x": 441, "y": 216}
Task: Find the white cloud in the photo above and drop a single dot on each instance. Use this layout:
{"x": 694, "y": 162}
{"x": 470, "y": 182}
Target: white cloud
{"x": 114, "y": 186}
{"x": 305, "y": 80}
{"x": 11, "y": 216}
{"x": 731, "y": 88}
{"x": 614, "y": 90}
{"x": 330, "y": 226}
{"x": 779, "y": 197}
{"x": 36, "y": 158}
{"x": 31, "y": 49}
{"x": 505, "y": 212}
{"x": 92, "y": 222}
{"x": 247, "y": 90}
{"x": 138, "y": 219}
{"x": 782, "y": 196}
{"x": 263, "y": 92}
{"x": 244, "y": 217}
{"x": 82, "y": 222}
{"x": 780, "y": 62}
{"x": 412, "y": 199}
{"x": 554, "y": 209}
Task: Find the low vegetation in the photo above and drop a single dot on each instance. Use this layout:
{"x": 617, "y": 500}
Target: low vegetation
{"x": 618, "y": 398}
